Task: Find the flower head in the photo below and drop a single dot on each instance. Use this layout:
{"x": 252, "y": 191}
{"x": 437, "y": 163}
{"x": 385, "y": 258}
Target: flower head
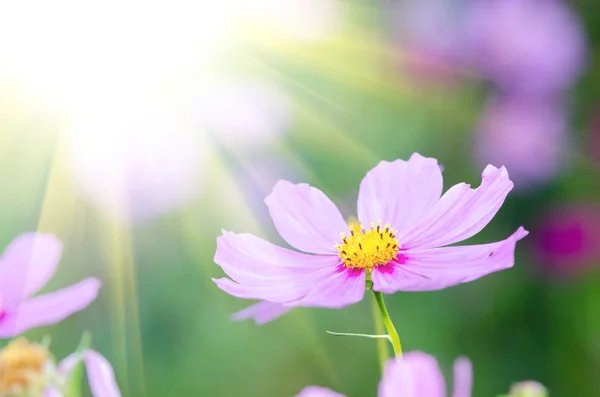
{"x": 514, "y": 127}
{"x": 415, "y": 375}
{"x": 568, "y": 239}
{"x": 526, "y": 45}
{"x": 26, "y": 265}
{"x": 22, "y": 368}
{"x": 405, "y": 224}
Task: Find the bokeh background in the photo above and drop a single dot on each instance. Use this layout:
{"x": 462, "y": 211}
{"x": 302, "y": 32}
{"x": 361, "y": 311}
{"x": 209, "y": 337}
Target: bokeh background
{"x": 136, "y": 131}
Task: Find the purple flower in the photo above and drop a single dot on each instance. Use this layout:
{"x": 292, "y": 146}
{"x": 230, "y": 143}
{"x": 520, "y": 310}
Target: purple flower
{"x": 26, "y": 266}
{"x": 568, "y": 239}
{"x": 431, "y": 36}
{"x": 415, "y": 375}
{"x": 528, "y": 136}
{"x": 526, "y": 45}
{"x": 100, "y": 374}
{"x": 401, "y": 249}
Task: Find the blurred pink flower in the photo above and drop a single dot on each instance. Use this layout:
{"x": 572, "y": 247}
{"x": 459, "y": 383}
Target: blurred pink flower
{"x": 26, "y": 265}
{"x": 431, "y": 36}
{"x": 416, "y": 374}
{"x": 402, "y": 250}
{"x": 526, "y": 45}
{"x": 100, "y": 374}
{"x": 567, "y": 240}
{"x": 527, "y": 136}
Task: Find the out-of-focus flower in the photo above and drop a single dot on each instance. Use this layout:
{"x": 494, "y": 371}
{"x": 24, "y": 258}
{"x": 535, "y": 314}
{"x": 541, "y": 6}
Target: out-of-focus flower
{"x": 568, "y": 239}
{"x": 402, "y": 249}
{"x": 24, "y": 368}
{"x": 526, "y": 45}
{"x": 430, "y": 34}
{"x": 137, "y": 161}
{"x": 241, "y": 114}
{"x": 28, "y": 369}
{"x": 415, "y": 375}
{"x": 528, "y": 389}
{"x": 26, "y": 266}
{"x": 527, "y": 136}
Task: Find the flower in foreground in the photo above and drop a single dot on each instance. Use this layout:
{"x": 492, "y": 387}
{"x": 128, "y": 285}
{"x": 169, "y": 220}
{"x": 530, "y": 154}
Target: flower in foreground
{"x": 28, "y": 369}
{"x": 401, "y": 248}
{"x": 26, "y": 265}
{"x": 415, "y": 375}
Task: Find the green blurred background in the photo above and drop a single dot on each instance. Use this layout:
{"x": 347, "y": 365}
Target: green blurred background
{"x": 350, "y": 103}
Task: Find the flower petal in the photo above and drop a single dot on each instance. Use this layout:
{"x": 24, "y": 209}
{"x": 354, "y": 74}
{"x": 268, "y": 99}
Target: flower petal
{"x": 305, "y": 217}
{"x": 400, "y": 192}
{"x": 100, "y": 375}
{"x": 277, "y": 289}
{"x": 250, "y": 260}
{"x": 68, "y": 363}
{"x": 463, "y": 377}
{"x": 262, "y": 312}
{"x": 342, "y": 288}
{"x": 438, "y": 268}
{"x": 49, "y": 309}
{"x": 26, "y": 265}
{"x": 415, "y": 375}
{"x": 461, "y": 212}
{"x": 315, "y": 391}
{"x": 52, "y": 392}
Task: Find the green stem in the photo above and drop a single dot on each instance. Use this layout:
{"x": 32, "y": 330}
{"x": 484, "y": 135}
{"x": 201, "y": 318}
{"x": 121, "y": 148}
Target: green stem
{"x": 382, "y": 347}
{"x": 389, "y": 326}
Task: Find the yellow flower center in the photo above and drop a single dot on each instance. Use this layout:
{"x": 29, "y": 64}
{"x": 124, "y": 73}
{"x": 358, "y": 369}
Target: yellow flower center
{"x": 21, "y": 367}
{"x": 365, "y": 249}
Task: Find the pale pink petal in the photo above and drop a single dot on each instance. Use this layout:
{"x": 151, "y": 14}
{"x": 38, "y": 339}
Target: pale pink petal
{"x": 68, "y": 363}
{"x": 415, "y": 375}
{"x": 100, "y": 375}
{"x": 400, "y": 192}
{"x": 262, "y": 312}
{"x": 48, "y": 309}
{"x": 438, "y": 268}
{"x": 278, "y": 289}
{"x": 52, "y": 392}
{"x": 26, "y": 265}
{"x": 342, "y": 288}
{"x": 461, "y": 213}
{"x": 306, "y": 218}
{"x": 250, "y": 260}
{"x": 463, "y": 377}
{"x": 315, "y": 391}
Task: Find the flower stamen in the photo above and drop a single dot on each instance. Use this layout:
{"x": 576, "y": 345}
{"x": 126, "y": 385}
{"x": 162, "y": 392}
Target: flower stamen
{"x": 365, "y": 249}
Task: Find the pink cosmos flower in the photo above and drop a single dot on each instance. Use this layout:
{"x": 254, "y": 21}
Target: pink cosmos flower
{"x": 100, "y": 374}
{"x": 26, "y": 265}
{"x": 402, "y": 248}
{"x": 415, "y": 375}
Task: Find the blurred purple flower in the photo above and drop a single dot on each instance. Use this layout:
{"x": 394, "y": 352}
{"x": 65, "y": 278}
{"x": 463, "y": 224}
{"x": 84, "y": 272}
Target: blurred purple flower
{"x": 402, "y": 250}
{"x": 26, "y": 265}
{"x": 431, "y": 36}
{"x": 533, "y": 46}
{"x": 416, "y": 374}
{"x": 100, "y": 374}
{"x": 567, "y": 240}
{"x": 527, "y": 136}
